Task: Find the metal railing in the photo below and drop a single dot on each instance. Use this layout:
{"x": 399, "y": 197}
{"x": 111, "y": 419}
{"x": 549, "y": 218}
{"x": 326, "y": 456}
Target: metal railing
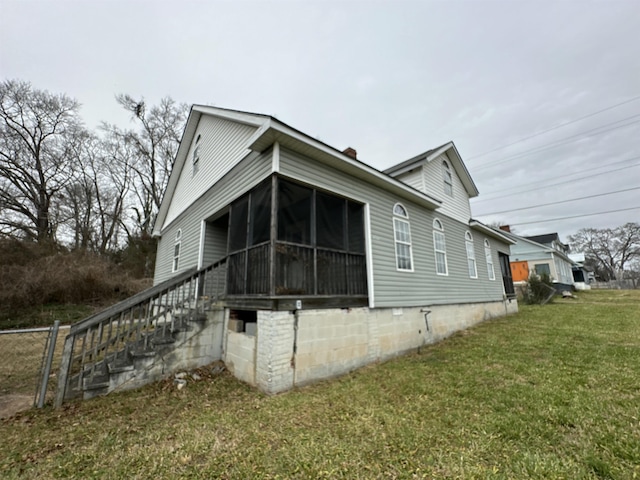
{"x": 109, "y": 339}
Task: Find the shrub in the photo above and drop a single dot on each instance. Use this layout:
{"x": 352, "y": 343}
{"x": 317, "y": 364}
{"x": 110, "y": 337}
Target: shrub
{"x": 539, "y": 289}
{"x": 31, "y": 276}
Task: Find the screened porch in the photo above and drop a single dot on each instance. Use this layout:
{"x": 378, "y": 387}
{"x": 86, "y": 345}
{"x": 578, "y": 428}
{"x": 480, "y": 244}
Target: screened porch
{"x": 289, "y": 243}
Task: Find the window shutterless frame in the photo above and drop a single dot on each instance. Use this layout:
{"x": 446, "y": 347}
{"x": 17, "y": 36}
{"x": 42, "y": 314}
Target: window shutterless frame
{"x": 440, "y": 248}
{"x": 487, "y": 253}
{"x": 471, "y": 255}
{"x": 402, "y": 238}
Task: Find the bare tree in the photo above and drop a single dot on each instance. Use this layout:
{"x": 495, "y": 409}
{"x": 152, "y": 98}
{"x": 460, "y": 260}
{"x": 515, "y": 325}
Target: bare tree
{"x": 95, "y": 201}
{"x": 155, "y": 144}
{"x": 38, "y": 131}
{"x": 614, "y": 249}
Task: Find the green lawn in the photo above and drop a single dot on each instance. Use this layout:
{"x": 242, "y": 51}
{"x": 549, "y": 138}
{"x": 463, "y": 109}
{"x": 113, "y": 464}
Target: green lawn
{"x": 553, "y": 392}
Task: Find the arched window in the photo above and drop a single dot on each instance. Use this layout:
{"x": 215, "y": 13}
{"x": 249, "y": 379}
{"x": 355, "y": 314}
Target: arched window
{"x": 447, "y": 178}
{"x": 471, "y": 255}
{"x": 440, "y": 248}
{"x": 402, "y": 236}
{"x": 487, "y": 254}
{"x": 176, "y": 250}
{"x": 195, "y": 161}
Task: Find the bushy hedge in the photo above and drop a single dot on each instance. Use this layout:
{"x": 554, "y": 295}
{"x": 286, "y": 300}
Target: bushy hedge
{"x": 538, "y": 289}
{"x": 32, "y": 275}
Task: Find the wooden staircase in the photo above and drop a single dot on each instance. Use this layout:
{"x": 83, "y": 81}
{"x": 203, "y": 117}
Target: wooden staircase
{"x": 174, "y": 325}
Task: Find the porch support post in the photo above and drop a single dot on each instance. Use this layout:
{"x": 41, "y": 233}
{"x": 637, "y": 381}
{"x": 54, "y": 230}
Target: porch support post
{"x": 274, "y": 234}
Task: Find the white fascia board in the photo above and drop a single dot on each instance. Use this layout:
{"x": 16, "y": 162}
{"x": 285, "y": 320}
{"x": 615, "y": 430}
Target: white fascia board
{"x": 419, "y": 160}
{"x": 439, "y": 152}
{"x": 461, "y": 170}
{"x": 178, "y": 164}
{"x": 491, "y": 232}
{"x": 245, "y": 118}
{"x": 274, "y": 130}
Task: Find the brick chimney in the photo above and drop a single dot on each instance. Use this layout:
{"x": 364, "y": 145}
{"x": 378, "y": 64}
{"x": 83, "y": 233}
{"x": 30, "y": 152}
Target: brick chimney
{"x": 506, "y": 228}
{"x": 350, "y": 152}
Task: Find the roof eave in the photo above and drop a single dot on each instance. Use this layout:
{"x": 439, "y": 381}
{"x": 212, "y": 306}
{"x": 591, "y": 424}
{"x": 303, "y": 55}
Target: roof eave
{"x": 492, "y": 232}
{"x": 275, "y": 130}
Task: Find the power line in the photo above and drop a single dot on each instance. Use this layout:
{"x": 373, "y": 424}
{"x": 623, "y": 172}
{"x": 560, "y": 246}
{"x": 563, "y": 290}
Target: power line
{"x": 537, "y": 182}
{"x": 540, "y": 187}
{"x": 560, "y": 201}
{"x": 562, "y": 141}
{"x": 555, "y": 127}
{"x": 575, "y": 216}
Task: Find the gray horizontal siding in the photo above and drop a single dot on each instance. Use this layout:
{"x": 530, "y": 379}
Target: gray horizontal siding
{"x": 457, "y": 206}
{"x": 422, "y": 286}
{"x": 222, "y": 145}
{"x": 244, "y": 176}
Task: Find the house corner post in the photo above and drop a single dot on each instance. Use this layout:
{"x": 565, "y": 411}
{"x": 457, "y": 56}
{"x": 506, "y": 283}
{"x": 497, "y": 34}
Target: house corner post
{"x": 274, "y": 351}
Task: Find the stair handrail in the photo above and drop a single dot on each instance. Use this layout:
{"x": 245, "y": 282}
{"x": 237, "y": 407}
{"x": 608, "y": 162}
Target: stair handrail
{"x": 139, "y": 298}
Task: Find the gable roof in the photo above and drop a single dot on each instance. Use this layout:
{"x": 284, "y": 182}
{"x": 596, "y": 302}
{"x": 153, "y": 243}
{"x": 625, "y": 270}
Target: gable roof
{"x": 452, "y": 154}
{"x": 492, "y": 232}
{"x": 270, "y": 130}
{"x": 538, "y": 245}
{"x": 546, "y": 238}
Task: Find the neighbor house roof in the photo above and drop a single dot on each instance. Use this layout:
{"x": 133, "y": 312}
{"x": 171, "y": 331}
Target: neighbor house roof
{"x": 546, "y": 238}
{"x": 270, "y": 130}
{"x": 542, "y": 247}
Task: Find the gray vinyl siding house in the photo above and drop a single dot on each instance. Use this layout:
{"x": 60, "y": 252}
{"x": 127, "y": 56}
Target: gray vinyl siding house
{"x": 265, "y": 198}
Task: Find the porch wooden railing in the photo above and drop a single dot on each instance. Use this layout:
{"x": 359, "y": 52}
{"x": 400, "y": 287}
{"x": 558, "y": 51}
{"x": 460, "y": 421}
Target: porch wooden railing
{"x": 109, "y": 339}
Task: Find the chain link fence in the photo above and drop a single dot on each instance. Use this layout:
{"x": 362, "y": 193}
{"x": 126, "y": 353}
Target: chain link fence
{"x": 616, "y": 285}
{"x": 29, "y": 363}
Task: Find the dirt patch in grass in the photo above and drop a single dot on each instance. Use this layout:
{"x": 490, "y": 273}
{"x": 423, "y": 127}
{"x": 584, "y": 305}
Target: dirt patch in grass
{"x": 12, "y": 404}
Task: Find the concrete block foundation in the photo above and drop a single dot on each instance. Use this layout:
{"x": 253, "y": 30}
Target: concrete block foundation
{"x": 288, "y": 349}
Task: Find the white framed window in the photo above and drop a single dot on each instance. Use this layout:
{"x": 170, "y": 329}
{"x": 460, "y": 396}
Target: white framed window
{"x": 440, "y": 248}
{"x": 176, "y": 251}
{"x": 195, "y": 161}
{"x": 471, "y": 255}
{"x": 402, "y": 237}
{"x": 447, "y": 179}
{"x": 487, "y": 254}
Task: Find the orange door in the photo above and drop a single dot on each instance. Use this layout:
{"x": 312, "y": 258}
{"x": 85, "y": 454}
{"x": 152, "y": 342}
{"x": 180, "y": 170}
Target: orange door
{"x": 520, "y": 271}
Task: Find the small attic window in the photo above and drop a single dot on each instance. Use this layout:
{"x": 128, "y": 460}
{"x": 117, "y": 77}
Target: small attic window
{"x": 447, "y": 178}
{"x": 195, "y": 161}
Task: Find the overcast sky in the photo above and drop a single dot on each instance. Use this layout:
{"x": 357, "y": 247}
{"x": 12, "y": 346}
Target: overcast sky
{"x": 391, "y": 79}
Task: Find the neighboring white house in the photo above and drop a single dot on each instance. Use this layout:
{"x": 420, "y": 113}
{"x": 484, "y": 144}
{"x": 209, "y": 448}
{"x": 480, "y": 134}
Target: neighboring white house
{"x": 582, "y": 276}
{"x": 541, "y": 254}
{"x": 330, "y": 263}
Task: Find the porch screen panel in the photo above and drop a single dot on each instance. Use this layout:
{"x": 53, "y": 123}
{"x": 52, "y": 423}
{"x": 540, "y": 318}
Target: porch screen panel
{"x": 330, "y": 221}
{"x": 238, "y": 225}
{"x": 355, "y": 227}
{"x": 294, "y": 213}
{"x": 260, "y": 219}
